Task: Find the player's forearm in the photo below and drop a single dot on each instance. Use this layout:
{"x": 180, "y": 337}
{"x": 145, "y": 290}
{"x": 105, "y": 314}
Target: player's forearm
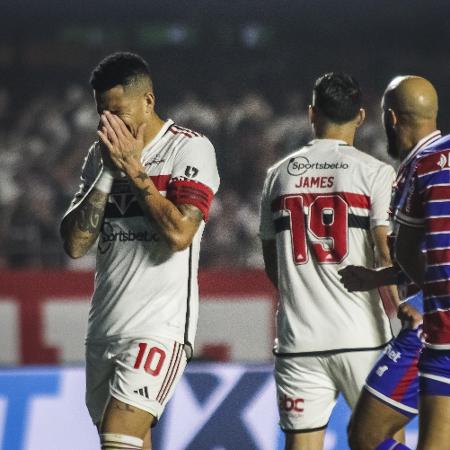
{"x": 171, "y": 223}
{"x": 81, "y": 227}
{"x": 386, "y": 276}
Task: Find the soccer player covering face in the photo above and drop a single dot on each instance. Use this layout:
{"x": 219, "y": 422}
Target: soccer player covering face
{"x": 391, "y": 395}
{"x": 146, "y": 188}
{"x": 323, "y": 207}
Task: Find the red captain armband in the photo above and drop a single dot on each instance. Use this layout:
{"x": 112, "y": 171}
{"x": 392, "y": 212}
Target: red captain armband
{"x": 191, "y": 193}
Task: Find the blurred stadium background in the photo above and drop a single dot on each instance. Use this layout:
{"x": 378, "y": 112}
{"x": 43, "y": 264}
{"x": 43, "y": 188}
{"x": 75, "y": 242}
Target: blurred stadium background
{"x": 239, "y": 71}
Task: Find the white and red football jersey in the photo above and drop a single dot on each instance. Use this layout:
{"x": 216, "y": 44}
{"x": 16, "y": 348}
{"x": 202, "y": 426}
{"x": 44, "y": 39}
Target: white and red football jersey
{"x": 142, "y": 288}
{"x": 320, "y": 204}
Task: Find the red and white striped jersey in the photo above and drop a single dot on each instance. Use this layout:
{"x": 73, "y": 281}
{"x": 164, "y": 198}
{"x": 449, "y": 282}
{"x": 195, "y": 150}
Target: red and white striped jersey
{"x": 427, "y": 206}
{"x": 320, "y": 204}
{"x": 142, "y": 288}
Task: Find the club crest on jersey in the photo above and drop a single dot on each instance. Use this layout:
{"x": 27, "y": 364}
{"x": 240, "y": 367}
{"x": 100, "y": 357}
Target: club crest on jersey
{"x": 444, "y": 161}
{"x": 121, "y": 196}
{"x": 122, "y": 201}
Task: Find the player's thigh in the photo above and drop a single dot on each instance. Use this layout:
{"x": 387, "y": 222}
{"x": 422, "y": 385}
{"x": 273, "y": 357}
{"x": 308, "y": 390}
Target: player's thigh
{"x": 146, "y": 373}
{"x": 313, "y": 440}
{"x": 99, "y": 372}
{"x": 434, "y": 417}
{"x": 306, "y": 396}
{"x": 373, "y": 421}
{"x": 349, "y": 371}
{"x": 434, "y": 423}
{"x": 389, "y": 399}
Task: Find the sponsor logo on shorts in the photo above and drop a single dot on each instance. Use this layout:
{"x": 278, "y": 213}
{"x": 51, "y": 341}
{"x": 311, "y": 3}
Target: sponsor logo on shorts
{"x": 380, "y": 371}
{"x": 143, "y": 392}
{"x": 392, "y": 354}
{"x": 300, "y": 164}
{"x": 290, "y": 404}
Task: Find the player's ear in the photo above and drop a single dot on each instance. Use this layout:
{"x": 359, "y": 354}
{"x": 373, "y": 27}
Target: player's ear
{"x": 390, "y": 118}
{"x": 311, "y": 114}
{"x": 149, "y": 102}
{"x": 360, "y": 117}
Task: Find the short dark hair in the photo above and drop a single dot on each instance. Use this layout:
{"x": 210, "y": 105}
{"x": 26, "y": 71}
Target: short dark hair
{"x": 122, "y": 68}
{"x": 337, "y": 96}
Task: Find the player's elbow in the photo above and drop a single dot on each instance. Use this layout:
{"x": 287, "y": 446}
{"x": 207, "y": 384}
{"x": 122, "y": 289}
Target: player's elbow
{"x": 73, "y": 251}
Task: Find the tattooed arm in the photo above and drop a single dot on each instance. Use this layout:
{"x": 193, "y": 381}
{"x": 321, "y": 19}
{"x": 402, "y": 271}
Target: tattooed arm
{"x": 81, "y": 226}
{"x": 178, "y": 224}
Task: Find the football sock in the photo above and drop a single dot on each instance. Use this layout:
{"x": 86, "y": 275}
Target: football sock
{"x": 391, "y": 444}
{"x": 113, "y": 441}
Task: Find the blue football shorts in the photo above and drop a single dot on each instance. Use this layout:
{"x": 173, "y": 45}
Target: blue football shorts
{"x": 434, "y": 372}
{"x": 394, "y": 378}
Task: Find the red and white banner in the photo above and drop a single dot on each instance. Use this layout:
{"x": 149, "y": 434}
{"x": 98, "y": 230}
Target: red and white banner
{"x": 43, "y": 316}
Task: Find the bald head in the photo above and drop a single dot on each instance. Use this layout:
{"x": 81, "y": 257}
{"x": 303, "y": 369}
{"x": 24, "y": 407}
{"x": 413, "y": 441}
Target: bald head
{"x": 412, "y": 97}
{"x": 410, "y": 106}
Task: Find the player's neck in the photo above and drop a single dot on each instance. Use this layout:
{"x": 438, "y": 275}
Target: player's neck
{"x": 420, "y": 132}
{"x": 154, "y": 125}
{"x": 340, "y": 133}
{"x": 414, "y": 134}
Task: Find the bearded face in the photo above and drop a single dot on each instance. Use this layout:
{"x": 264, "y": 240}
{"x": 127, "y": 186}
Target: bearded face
{"x": 391, "y": 135}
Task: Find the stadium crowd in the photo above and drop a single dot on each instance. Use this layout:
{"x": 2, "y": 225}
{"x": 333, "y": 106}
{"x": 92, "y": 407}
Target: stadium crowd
{"x": 43, "y": 142}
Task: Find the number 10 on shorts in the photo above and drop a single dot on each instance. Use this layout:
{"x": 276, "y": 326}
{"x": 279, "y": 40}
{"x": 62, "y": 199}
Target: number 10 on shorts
{"x": 153, "y": 361}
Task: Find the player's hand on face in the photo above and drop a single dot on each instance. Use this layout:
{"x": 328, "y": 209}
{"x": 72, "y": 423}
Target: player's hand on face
{"x": 409, "y": 316}
{"x": 124, "y": 148}
{"x": 358, "y": 278}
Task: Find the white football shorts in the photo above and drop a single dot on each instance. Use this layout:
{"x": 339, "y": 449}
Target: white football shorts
{"x": 308, "y": 386}
{"x": 140, "y": 372}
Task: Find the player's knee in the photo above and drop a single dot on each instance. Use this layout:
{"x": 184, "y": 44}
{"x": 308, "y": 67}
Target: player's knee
{"x": 361, "y": 439}
{"x": 112, "y": 441}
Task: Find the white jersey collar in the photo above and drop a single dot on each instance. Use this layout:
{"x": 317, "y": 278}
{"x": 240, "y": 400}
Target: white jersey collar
{"x": 328, "y": 141}
{"x": 159, "y": 135}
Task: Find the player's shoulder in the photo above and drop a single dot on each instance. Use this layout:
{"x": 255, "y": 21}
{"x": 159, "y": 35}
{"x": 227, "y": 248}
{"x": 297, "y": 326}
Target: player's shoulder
{"x": 188, "y": 140}
{"x": 359, "y": 157}
{"x": 434, "y": 158}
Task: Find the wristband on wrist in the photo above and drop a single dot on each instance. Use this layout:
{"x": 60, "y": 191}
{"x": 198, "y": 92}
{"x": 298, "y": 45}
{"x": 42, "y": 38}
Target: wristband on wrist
{"x": 104, "y": 181}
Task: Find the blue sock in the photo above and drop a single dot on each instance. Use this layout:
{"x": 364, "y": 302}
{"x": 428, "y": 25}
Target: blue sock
{"x": 391, "y": 444}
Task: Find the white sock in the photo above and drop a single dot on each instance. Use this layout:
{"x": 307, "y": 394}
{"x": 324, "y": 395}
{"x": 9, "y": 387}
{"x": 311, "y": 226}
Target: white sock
{"x": 113, "y": 441}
